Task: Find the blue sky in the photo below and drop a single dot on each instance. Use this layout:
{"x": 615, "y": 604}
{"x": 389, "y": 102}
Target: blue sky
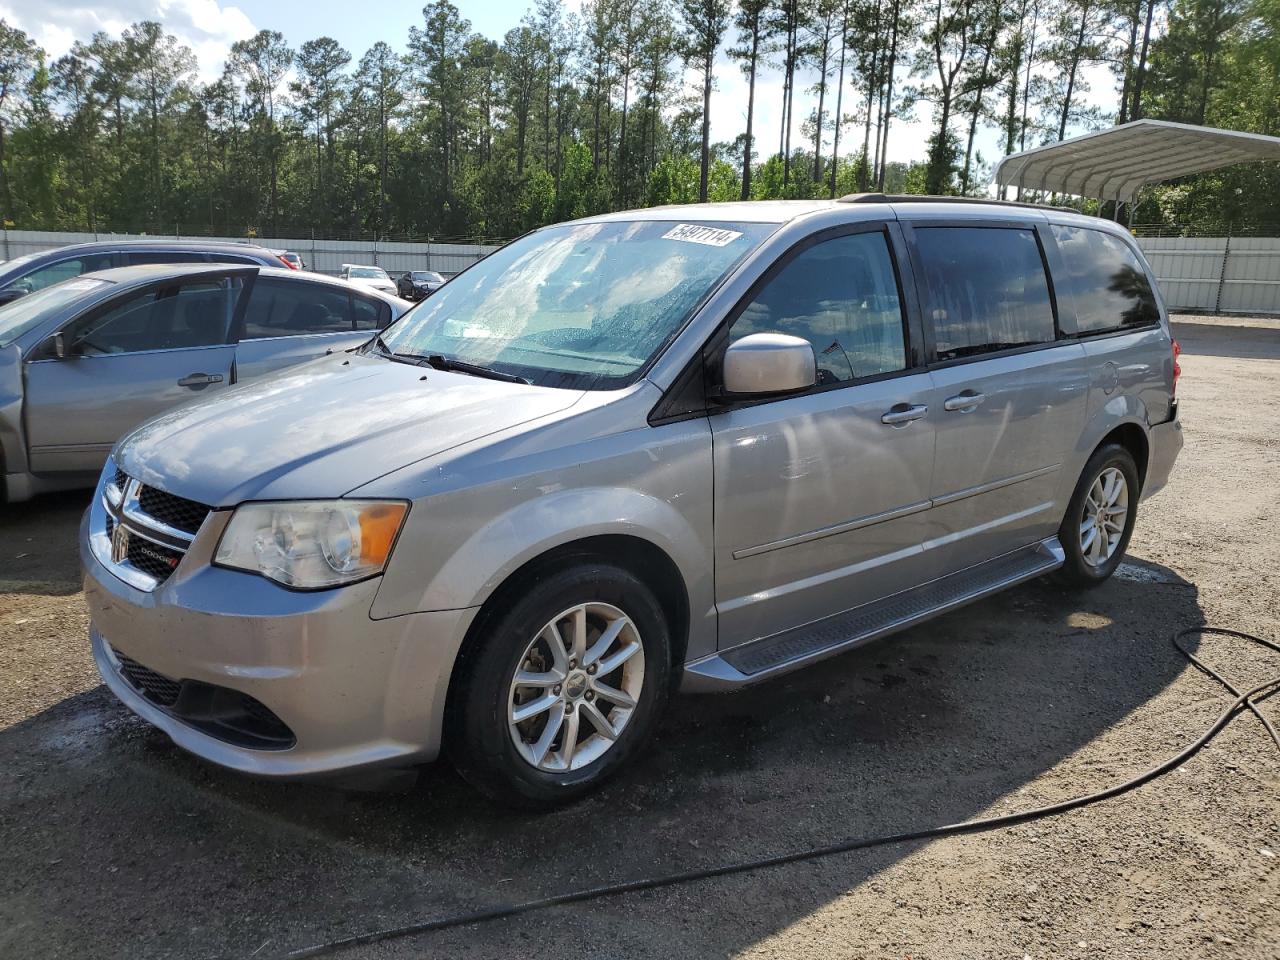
{"x": 209, "y": 27}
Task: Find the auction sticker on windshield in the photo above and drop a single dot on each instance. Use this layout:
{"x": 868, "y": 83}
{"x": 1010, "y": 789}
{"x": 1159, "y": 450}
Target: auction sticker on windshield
{"x": 710, "y": 236}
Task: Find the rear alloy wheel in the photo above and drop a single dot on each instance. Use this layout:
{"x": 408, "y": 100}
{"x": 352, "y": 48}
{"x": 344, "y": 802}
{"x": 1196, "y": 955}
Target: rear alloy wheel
{"x": 1099, "y": 521}
{"x": 562, "y": 689}
{"x": 1106, "y": 509}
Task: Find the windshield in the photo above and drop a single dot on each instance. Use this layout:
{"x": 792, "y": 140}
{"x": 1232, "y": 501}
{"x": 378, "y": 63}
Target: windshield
{"x": 581, "y": 305}
{"x": 19, "y": 316}
{"x": 369, "y": 273}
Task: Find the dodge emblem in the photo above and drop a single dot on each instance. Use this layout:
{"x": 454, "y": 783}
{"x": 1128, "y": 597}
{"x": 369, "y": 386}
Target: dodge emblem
{"x": 119, "y": 543}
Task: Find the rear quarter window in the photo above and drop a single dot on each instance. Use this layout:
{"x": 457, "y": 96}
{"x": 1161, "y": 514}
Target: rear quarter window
{"x": 1109, "y": 287}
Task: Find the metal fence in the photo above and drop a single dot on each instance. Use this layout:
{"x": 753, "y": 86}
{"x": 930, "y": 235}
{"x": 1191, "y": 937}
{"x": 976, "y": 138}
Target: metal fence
{"x": 322, "y": 256}
{"x": 1201, "y": 274}
{"x": 1217, "y": 274}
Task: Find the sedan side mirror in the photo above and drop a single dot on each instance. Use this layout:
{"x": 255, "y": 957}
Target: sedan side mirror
{"x": 768, "y": 364}
{"x": 58, "y": 345}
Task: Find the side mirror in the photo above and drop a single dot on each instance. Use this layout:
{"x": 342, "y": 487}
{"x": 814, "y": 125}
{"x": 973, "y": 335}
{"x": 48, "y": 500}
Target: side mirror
{"x": 58, "y": 345}
{"x": 10, "y": 294}
{"x": 768, "y": 364}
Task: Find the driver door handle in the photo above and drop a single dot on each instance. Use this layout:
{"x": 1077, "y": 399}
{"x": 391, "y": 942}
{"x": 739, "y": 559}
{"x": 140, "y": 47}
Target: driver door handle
{"x": 968, "y": 400}
{"x": 200, "y": 379}
{"x": 900, "y": 414}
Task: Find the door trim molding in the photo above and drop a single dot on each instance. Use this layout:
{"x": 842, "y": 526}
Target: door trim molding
{"x": 858, "y": 523}
{"x": 988, "y": 487}
{"x": 822, "y": 532}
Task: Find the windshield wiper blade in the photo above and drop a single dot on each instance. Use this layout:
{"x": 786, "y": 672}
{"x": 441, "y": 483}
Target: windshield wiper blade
{"x": 381, "y": 349}
{"x": 439, "y": 361}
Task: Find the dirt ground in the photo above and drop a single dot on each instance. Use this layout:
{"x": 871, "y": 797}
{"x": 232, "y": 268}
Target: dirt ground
{"x": 115, "y": 844}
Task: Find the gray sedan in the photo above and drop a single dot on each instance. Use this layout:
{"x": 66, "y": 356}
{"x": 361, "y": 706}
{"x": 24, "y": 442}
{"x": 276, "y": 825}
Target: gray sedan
{"x": 84, "y": 361}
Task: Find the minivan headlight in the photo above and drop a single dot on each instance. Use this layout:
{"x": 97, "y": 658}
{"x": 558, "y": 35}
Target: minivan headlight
{"x": 311, "y": 545}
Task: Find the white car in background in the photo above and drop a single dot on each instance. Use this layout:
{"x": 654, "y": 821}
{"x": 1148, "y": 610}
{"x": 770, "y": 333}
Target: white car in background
{"x": 366, "y": 276}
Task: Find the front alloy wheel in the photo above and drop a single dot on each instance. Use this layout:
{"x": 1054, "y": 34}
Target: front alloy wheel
{"x": 562, "y": 681}
{"x": 576, "y": 688}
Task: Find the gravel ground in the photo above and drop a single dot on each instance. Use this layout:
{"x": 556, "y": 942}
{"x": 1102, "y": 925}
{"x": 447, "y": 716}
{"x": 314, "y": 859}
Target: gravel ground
{"x": 113, "y": 843}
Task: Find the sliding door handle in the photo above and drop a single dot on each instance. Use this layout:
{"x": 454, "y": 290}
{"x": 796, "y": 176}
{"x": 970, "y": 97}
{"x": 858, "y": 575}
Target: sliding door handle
{"x": 963, "y": 402}
{"x": 900, "y": 414}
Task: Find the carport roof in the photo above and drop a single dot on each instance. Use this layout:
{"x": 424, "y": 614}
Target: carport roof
{"x": 1115, "y": 164}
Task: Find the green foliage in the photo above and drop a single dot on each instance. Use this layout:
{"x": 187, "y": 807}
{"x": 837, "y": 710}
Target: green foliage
{"x": 573, "y": 115}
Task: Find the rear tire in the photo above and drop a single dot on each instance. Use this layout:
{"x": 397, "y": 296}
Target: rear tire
{"x": 583, "y": 652}
{"x": 1099, "y": 521}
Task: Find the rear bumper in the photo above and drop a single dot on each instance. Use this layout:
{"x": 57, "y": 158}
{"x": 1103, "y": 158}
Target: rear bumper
{"x": 353, "y": 691}
{"x": 1165, "y": 445}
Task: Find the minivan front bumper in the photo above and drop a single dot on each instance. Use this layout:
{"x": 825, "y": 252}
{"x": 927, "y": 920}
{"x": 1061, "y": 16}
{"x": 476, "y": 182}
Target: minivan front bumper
{"x": 351, "y": 692}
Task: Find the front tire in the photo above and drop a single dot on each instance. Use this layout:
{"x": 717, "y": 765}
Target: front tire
{"x": 563, "y": 688}
{"x": 1099, "y": 521}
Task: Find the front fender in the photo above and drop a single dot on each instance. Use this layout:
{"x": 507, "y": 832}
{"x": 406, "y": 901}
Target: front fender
{"x": 459, "y": 546}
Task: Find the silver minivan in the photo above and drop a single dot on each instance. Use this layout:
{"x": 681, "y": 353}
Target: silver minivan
{"x": 686, "y": 447}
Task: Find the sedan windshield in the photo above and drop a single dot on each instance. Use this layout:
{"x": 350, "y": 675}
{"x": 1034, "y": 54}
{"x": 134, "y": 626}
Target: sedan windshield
{"x": 19, "y": 316}
{"x": 583, "y": 305}
{"x": 369, "y": 273}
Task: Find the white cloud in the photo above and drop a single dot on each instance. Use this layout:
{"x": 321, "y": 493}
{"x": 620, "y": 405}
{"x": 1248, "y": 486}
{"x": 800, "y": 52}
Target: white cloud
{"x": 206, "y": 26}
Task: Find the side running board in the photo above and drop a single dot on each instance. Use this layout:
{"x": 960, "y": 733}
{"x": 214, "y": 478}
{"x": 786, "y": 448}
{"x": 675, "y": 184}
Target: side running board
{"x": 782, "y": 652}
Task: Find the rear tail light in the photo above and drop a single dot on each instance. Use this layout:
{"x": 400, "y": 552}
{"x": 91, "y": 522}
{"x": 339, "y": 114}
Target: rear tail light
{"x": 1177, "y": 367}
{"x": 288, "y": 263}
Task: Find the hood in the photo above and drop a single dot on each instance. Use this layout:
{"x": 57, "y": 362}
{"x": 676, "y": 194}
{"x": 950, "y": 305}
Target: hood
{"x": 324, "y": 428}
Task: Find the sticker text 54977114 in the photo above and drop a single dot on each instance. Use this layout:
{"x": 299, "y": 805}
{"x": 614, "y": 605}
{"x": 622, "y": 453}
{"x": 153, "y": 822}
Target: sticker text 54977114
{"x": 709, "y": 236}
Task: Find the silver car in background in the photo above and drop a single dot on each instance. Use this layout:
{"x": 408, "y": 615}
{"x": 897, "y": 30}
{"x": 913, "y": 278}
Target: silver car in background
{"x": 35, "y": 271}
{"x": 698, "y": 445}
{"x": 374, "y": 278}
{"x": 84, "y": 361}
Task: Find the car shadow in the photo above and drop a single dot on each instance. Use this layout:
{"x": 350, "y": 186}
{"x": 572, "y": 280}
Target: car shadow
{"x": 120, "y": 843}
{"x": 34, "y": 554}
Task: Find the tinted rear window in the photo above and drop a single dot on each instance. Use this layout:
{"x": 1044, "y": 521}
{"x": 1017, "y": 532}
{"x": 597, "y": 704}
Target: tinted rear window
{"x": 1107, "y": 282}
{"x": 294, "y": 308}
{"x": 985, "y": 289}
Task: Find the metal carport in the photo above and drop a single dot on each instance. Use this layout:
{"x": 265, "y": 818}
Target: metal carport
{"x": 1115, "y": 164}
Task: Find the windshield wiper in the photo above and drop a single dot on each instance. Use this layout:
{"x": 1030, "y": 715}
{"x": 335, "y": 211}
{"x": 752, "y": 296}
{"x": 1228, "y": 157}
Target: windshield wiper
{"x": 438, "y": 361}
{"x": 381, "y": 349}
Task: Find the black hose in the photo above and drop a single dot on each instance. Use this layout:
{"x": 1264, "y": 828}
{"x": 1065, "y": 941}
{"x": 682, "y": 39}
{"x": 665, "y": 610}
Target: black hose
{"x": 1247, "y": 700}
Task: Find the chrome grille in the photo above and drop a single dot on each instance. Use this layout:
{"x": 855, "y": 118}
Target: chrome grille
{"x": 179, "y": 512}
{"x": 142, "y": 533}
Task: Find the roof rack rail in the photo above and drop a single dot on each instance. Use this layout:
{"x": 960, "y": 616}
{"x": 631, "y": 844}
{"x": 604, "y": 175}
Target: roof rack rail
{"x": 919, "y": 198}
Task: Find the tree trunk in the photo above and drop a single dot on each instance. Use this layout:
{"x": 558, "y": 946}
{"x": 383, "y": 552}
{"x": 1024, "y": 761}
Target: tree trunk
{"x": 835, "y": 136}
{"x": 751, "y": 108}
{"x": 622, "y": 135}
{"x": 977, "y": 106}
{"x": 1130, "y": 49}
{"x": 1071, "y": 73}
{"x": 822, "y": 98}
{"x": 888, "y": 99}
{"x": 1141, "y": 74}
{"x": 705, "y": 171}
{"x": 873, "y": 87}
